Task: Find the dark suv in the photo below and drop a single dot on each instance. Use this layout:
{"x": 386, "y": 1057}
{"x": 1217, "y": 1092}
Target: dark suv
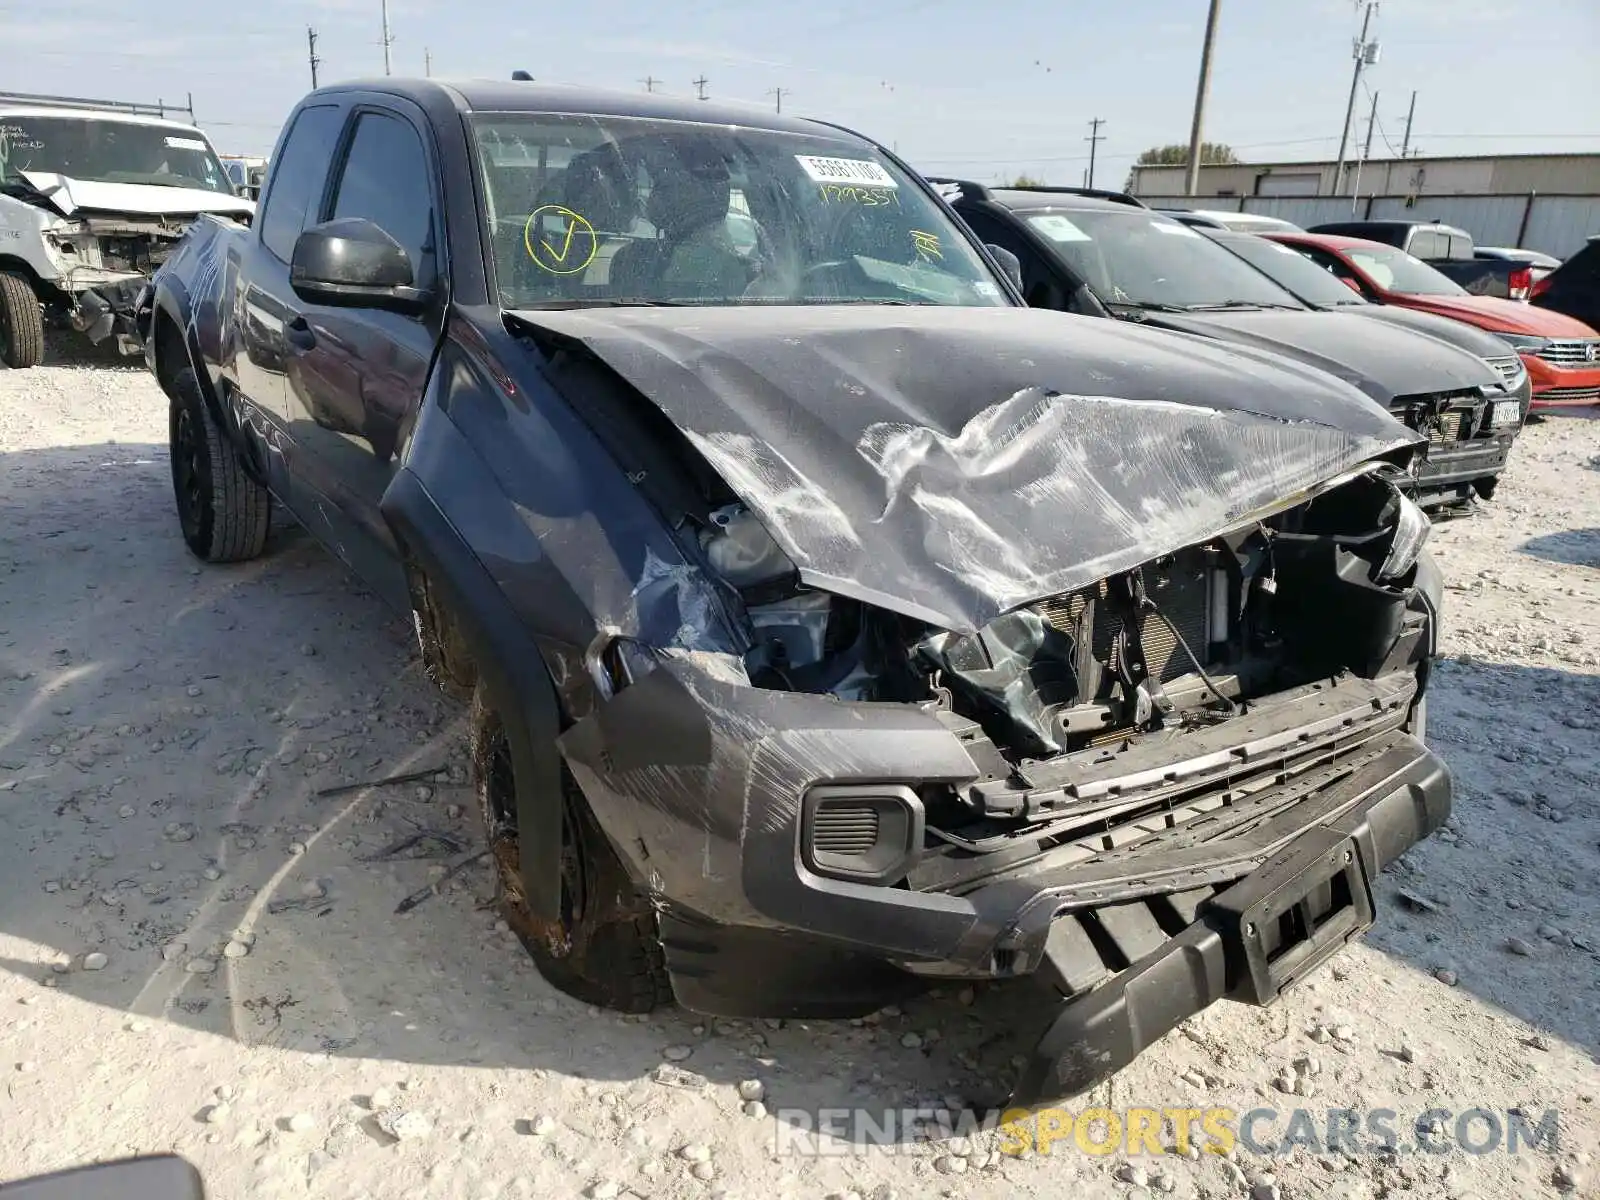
{"x": 833, "y": 624}
{"x": 1105, "y": 252}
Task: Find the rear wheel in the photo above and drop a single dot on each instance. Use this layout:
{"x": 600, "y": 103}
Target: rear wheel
{"x": 224, "y": 513}
{"x": 604, "y": 948}
{"x": 21, "y": 323}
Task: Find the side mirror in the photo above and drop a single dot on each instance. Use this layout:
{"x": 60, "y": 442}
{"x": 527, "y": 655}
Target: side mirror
{"x": 352, "y": 263}
{"x": 157, "y": 1177}
{"x": 1009, "y": 263}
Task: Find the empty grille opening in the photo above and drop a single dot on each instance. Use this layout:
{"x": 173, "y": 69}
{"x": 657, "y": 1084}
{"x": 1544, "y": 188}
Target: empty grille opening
{"x": 850, "y": 832}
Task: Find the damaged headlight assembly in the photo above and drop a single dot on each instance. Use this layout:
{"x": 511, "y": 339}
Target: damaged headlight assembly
{"x": 1410, "y": 535}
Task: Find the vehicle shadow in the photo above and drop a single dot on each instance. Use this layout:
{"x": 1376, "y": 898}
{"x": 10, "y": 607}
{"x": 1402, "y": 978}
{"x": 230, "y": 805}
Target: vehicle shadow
{"x": 169, "y": 736}
{"x": 1505, "y": 901}
{"x": 65, "y": 348}
{"x": 1575, "y": 547}
{"x": 172, "y": 737}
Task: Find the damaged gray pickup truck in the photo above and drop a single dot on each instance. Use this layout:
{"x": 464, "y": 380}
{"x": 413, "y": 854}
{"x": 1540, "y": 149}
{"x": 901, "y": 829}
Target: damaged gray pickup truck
{"x": 833, "y": 623}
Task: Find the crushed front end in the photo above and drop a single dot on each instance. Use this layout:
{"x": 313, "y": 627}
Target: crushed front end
{"x": 1470, "y": 434}
{"x": 103, "y": 263}
{"x": 1167, "y": 787}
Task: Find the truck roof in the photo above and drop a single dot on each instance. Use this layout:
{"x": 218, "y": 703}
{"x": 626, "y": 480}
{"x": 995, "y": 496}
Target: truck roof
{"x": 509, "y": 96}
{"x": 93, "y": 114}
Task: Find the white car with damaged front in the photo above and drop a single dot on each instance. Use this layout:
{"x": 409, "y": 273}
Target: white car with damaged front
{"x": 91, "y": 203}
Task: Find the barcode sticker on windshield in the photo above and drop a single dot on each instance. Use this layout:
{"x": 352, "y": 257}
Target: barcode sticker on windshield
{"x": 845, "y": 170}
{"x": 179, "y": 143}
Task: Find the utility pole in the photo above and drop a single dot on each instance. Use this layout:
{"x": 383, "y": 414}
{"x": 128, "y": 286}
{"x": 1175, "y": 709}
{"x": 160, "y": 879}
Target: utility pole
{"x": 1365, "y": 53}
{"x": 777, "y": 93}
{"x": 700, "y": 86}
{"x": 1192, "y": 183}
{"x": 649, "y": 82}
{"x": 1405, "y": 146}
{"x": 387, "y": 40}
{"x": 1094, "y": 139}
{"x": 427, "y": 62}
{"x": 311, "y": 45}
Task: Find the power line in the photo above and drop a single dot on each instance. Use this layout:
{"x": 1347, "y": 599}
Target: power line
{"x": 649, "y": 82}
{"x": 311, "y": 46}
{"x": 777, "y": 94}
{"x": 700, "y": 86}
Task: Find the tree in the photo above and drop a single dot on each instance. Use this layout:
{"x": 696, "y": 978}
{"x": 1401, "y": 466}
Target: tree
{"x": 1025, "y": 181}
{"x": 1212, "y": 154}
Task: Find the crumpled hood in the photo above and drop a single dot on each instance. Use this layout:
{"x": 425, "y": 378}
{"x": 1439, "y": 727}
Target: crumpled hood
{"x": 955, "y": 463}
{"x": 1382, "y": 361}
{"x": 68, "y": 196}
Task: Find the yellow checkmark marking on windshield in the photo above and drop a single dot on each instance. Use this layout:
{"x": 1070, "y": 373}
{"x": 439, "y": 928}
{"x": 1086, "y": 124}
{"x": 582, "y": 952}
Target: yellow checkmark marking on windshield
{"x": 561, "y": 255}
{"x": 561, "y": 261}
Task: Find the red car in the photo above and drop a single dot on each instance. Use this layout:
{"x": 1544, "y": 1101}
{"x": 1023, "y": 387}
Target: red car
{"x": 1562, "y": 354}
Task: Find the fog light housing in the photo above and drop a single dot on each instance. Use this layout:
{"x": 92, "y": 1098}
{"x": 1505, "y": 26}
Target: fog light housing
{"x": 866, "y": 833}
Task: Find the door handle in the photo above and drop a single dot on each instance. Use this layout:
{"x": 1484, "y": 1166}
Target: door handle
{"x": 300, "y": 334}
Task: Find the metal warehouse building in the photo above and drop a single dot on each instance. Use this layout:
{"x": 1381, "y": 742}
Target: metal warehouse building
{"x": 1548, "y": 202}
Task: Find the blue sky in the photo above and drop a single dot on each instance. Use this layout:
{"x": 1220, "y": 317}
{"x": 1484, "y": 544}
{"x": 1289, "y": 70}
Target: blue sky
{"x": 982, "y": 90}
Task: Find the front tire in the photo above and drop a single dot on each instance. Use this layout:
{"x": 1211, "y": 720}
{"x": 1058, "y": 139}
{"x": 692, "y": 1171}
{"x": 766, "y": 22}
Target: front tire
{"x": 605, "y": 948}
{"x": 224, "y": 514}
{"x": 21, "y": 323}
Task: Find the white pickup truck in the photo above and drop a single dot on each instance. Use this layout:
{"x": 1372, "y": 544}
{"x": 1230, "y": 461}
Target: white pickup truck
{"x": 93, "y": 196}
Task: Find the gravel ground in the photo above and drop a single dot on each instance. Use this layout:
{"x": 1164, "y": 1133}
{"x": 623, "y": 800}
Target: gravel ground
{"x": 200, "y": 952}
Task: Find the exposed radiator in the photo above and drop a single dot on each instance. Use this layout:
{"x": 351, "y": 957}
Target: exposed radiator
{"x": 1181, "y": 593}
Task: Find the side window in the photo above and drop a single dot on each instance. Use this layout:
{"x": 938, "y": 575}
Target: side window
{"x": 385, "y": 179}
{"x": 1037, "y": 286}
{"x": 1425, "y": 244}
{"x": 1331, "y": 263}
{"x": 294, "y": 187}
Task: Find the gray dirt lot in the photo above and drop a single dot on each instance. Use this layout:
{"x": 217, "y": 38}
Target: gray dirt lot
{"x": 164, "y": 732}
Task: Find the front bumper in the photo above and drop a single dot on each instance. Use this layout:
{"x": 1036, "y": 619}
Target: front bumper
{"x": 109, "y": 310}
{"x": 1562, "y": 387}
{"x": 1447, "y": 471}
{"x": 1249, "y": 942}
{"x": 701, "y": 784}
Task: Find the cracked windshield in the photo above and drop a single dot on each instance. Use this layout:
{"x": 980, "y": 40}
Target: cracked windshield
{"x": 100, "y": 151}
{"x": 606, "y": 211}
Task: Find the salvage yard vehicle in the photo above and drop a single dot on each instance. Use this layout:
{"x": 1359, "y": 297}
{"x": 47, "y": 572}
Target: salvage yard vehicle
{"x": 93, "y": 196}
{"x": 1562, "y": 354}
{"x": 1108, "y": 252}
{"x": 1446, "y": 249}
{"x": 833, "y": 624}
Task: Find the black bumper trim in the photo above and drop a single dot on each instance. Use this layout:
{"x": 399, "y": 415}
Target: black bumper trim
{"x": 1098, "y": 1033}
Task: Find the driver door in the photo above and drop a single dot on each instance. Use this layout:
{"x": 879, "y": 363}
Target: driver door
{"x": 356, "y": 375}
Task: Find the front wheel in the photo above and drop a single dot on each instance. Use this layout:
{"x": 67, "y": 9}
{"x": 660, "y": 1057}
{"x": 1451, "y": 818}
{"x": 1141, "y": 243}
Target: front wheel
{"x": 224, "y": 513}
{"x": 21, "y": 323}
{"x": 604, "y": 948}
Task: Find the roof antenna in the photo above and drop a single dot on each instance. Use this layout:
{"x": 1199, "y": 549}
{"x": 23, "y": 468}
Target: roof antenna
{"x": 521, "y": 77}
